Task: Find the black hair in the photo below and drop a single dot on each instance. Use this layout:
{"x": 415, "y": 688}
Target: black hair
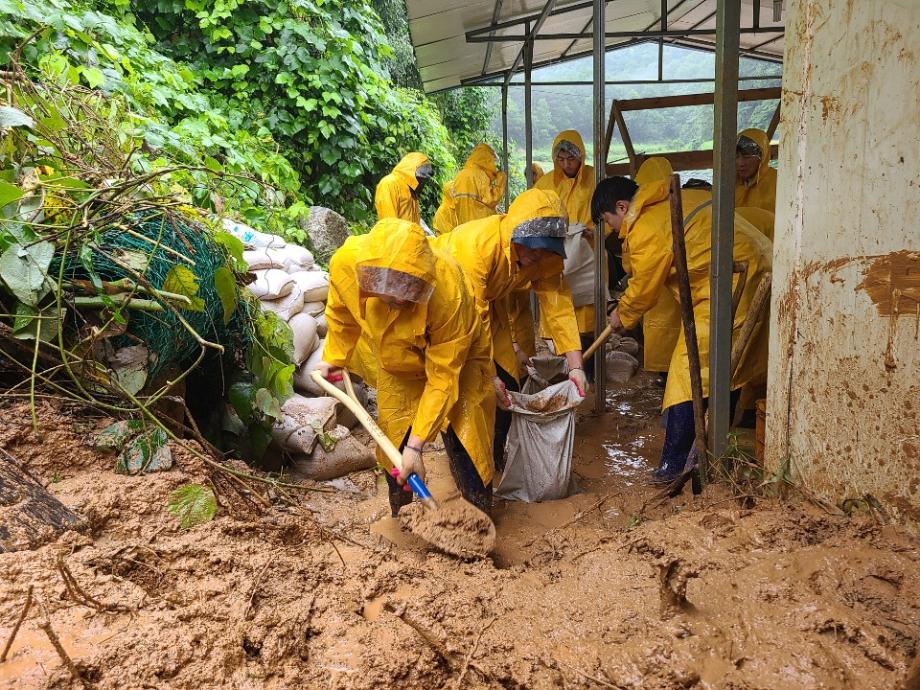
{"x": 608, "y": 193}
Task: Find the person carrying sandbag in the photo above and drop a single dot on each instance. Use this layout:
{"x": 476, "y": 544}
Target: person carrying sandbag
{"x": 433, "y": 359}
{"x": 502, "y": 254}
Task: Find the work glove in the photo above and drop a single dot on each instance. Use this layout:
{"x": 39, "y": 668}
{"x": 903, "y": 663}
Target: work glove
{"x": 501, "y": 394}
{"x": 411, "y": 464}
{"x": 577, "y": 376}
{"x": 329, "y": 372}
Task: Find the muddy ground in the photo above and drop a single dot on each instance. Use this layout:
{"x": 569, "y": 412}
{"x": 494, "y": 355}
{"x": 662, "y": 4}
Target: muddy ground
{"x": 605, "y": 589}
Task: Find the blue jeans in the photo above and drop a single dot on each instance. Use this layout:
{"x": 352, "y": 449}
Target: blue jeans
{"x": 679, "y": 434}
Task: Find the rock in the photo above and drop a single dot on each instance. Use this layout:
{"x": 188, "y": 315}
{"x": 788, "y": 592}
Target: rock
{"x": 327, "y": 230}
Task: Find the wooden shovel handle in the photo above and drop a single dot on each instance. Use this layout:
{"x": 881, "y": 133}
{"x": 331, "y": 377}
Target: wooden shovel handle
{"x": 601, "y": 339}
{"x": 361, "y": 414}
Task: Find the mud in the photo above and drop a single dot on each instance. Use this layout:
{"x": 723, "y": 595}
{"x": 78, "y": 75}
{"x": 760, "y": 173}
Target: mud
{"x": 548, "y": 405}
{"x": 457, "y": 527}
{"x": 607, "y": 588}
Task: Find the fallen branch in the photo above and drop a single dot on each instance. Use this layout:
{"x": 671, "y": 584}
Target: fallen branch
{"x": 22, "y": 617}
{"x": 469, "y": 657}
{"x": 59, "y": 648}
{"x": 77, "y": 593}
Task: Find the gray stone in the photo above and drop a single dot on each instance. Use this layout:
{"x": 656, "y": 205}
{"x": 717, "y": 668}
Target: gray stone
{"x": 327, "y": 230}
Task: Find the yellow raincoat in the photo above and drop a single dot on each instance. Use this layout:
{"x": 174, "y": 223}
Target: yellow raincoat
{"x": 473, "y": 194}
{"x": 759, "y": 218}
{"x": 661, "y": 323}
{"x": 760, "y": 191}
{"x": 393, "y": 198}
{"x": 489, "y": 260}
{"x": 575, "y": 193}
{"x": 433, "y": 360}
{"x": 537, "y": 172}
{"x": 647, "y": 230}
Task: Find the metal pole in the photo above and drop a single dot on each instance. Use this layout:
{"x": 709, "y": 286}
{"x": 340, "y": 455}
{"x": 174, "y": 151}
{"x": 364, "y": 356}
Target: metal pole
{"x": 600, "y": 163}
{"x": 528, "y": 112}
{"x": 725, "y": 132}
{"x": 505, "y": 144}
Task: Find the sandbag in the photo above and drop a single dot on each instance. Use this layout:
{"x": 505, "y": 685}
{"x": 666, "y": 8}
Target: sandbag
{"x": 621, "y": 367}
{"x": 295, "y": 257}
{"x": 296, "y": 432}
{"x": 305, "y": 336}
{"x": 345, "y": 416}
{"x": 272, "y": 284}
{"x": 321, "y": 326}
{"x": 285, "y": 307}
{"x": 579, "y": 266}
{"x": 315, "y": 285}
{"x": 250, "y": 237}
{"x": 314, "y": 308}
{"x": 302, "y": 380}
{"x": 540, "y": 442}
{"x": 290, "y": 258}
{"x": 628, "y": 345}
{"x": 348, "y": 455}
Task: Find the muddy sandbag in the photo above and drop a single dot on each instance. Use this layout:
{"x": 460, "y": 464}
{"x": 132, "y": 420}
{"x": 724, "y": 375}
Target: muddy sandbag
{"x": 628, "y": 345}
{"x": 345, "y": 416}
{"x": 304, "y": 419}
{"x": 621, "y": 367}
{"x": 539, "y": 450}
{"x": 321, "y": 326}
{"x": 250, "y": 237}
{"x": 272, "y": 284}
{"x": 302, "y": 380}
{"x": 315, "y": 285}
{"x": 347, "y": 456}
{"x": 286, "y": 307}
{"x": 306, "y": 338}
{"x": 543, "y": 371}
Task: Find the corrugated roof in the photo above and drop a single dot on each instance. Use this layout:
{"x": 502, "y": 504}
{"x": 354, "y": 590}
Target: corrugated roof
{"x": 447, "y": 59}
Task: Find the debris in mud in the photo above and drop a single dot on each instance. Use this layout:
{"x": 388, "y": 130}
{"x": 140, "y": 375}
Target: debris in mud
{"x": 547, "y": 405}
{"x": 456, "y": 527}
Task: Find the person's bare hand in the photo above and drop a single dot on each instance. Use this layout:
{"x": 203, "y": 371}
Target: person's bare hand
{"x": 501, "y": 394}
{"x": 614, "y": 320}
{"x": 411, "y": 464}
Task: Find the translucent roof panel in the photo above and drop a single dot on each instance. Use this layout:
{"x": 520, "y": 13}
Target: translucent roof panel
{"x": 446, "y": 35}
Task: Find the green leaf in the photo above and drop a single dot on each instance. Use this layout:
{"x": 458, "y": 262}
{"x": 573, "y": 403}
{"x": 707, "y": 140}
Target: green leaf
{"x": 225, "y": 284}
{"x": 193, "y": 504}
{"x": 14, "y": 117}
{"x": 267, "y": 404}
{"x": 130, "y": 367}
{"x": 148, "y": 452}
{"x": 242, "y": 397}
{"x": 9, "y": 193}
{"x": 44, "y": 323}
{"x": 25, "y": 271}
{"x": 182, "y": 281}
{"x": 234, "y": 247}
{"x": 93, "y": 76}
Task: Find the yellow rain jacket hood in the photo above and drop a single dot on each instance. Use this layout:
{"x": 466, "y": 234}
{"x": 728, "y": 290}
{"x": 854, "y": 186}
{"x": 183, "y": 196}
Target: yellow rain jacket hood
{"x": 433, "y": 361}
{"x": 489, "y": 260}
{"x": 759, "y": 191}
{"x": 393, "y": 198}
{"x": 473, "y": 194}
{"x": 648, "y": 235}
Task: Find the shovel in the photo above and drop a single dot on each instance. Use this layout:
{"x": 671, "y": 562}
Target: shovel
{"x": 459, "y": 528}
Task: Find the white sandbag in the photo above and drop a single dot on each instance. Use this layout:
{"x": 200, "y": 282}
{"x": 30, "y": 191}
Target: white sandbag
{"x": 297, "y": 431}
{"x": 540, "y": 442}
{"x": 314, "y": 308}
{"x": 579, "y": 266}
{"x": 315, "y": 285}
{"x": 250, "y": 237}
{"x": 305, "y": 336}
{"x": 321, "y": 326}
{"x": 348, "y": 455}
{"x": 290, "y": 258}
{"x": 621, "y": 367}
{"x": 272, "y": 284}
{"x": 302, "y": 380}
{"x": 285, "y": 307}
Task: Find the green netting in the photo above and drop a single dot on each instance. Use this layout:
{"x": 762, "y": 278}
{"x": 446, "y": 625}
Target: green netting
{"x": 159, "y": 244}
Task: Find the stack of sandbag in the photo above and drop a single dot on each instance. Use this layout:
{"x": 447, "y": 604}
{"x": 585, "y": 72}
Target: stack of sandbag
{"x": 315, "y": 429}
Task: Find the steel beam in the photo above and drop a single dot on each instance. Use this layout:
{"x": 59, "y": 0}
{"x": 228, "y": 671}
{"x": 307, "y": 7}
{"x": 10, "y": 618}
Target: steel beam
{"x": 527, "y": 19}
{"x": 528, "y": 113}
{"x": 600, "y": 252}
{"x": 701, "y": 80}
{"x": 496, "y": 15}
{"x": 529, "y": 36}
{"x": 724, "y": 137}
{"x": 638, "y": 33}
{"x": 505, "y": 145}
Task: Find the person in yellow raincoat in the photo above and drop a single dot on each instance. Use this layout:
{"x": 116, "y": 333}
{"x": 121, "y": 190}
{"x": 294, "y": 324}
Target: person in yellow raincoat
{"x": 573, "y": 180}
{"x": 643, "y": 216}
{"x": 661, "y": 323}
{"x": 759, "y": 218}
{"x": 755, "y": 180}
{"x": 434, "y": 365}
{"x": 537, "y": 171}
{"x": 397, "y": 193}
{"x": 473, "y": 194}
{"x": 504, "y": 254}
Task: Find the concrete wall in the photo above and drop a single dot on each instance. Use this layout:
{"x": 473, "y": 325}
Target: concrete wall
{"x": 844, "y": 402}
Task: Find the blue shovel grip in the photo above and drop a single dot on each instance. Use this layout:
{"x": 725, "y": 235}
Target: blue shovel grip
{"x": 418, "y": 486}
